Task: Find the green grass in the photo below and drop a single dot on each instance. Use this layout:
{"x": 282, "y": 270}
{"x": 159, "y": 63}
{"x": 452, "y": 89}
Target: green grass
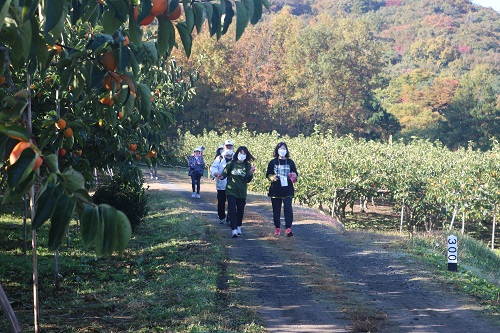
{"x": 173, "y": 278}
{"x": 478, "y": 267}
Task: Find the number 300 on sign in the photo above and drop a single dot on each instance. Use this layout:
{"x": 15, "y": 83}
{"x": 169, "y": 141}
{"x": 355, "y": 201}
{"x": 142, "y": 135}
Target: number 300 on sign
{"x": 452, "y": 250}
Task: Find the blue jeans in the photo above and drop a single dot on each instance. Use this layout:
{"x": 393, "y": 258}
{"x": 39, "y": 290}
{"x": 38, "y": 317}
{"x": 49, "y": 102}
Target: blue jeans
{"x": 195, "y": 183}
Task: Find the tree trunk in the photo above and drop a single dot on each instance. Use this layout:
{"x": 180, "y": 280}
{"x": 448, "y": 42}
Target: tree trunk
{"x": 36, "y": 304}
{"x": 7, "y": 309}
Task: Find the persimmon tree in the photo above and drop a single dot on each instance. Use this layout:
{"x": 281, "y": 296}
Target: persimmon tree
{"x": 81, "y": 81}
{"x": 90, "y": 64}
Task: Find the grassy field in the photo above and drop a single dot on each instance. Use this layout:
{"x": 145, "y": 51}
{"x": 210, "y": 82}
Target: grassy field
{"x": 172, "y": 278}
{"x": 175, "y": 277}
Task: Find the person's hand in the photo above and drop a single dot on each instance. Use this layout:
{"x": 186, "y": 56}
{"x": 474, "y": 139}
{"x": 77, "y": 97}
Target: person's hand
{"x": 252, "y": 169}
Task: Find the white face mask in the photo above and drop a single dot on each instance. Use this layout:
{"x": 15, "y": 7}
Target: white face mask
{"x": 242, "y": 157}
{"x": 228, "y": 152}
{"x": 282, "y": 152}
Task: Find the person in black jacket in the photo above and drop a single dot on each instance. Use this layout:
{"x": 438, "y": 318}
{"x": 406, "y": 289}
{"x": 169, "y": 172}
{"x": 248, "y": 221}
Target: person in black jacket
{"x": 282, "y": 173}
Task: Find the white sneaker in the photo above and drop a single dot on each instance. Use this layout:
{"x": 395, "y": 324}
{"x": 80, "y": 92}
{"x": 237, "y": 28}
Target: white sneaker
{"x": 238, "y": 230}
{"x": 193, "y": 195}
{"x": 197, "y": 195}
{"x": 234, "y": 233}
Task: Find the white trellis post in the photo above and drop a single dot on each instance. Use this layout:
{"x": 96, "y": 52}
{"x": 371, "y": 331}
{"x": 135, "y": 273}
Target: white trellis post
{"x": 494, "y": 226}
{"x": 455, "y": 211}
{"x": 402, "y": 215}
{"x": 463, "y": 222}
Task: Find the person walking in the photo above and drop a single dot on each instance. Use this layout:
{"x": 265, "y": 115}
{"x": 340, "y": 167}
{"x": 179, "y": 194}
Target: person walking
{"x": 282, "y": 173}
{"x": 196, "y": 166}
{"x": 225, "y": 155}
{"x": 239, "y": 172}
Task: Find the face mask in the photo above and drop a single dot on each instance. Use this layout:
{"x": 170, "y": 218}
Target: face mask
{"x": 242, "y": 157}
{"x": 282, "y": 152}
{"x": 228, "y": 152}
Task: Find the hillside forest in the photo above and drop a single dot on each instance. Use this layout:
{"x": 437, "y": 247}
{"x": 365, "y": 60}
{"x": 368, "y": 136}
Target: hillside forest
{"x": 370, "y": 68}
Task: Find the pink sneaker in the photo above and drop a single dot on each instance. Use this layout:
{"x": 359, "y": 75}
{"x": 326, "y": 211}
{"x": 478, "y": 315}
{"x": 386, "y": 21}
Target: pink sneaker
{"x": 288, "y": 232}
{"x": 277, "y": 232}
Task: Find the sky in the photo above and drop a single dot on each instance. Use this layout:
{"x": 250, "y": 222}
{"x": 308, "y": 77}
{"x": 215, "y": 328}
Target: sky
{"x": 495, "y": 4}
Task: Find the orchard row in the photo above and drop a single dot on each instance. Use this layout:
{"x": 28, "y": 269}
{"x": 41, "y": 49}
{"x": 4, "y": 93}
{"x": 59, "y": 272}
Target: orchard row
{"x": 432, "y": 183}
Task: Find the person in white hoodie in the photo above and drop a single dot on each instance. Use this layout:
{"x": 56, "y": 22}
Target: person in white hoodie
{"x": 216, "y": 169}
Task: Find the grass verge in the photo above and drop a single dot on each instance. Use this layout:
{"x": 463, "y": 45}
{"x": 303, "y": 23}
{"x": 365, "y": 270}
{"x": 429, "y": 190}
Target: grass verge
{"x": 173, "y": 278}
{"x": 478, "y": 266}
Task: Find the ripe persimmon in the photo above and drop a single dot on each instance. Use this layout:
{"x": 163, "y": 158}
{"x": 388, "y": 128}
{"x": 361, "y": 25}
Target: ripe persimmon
{"x": 38, "y": 162}
{"x": 18, "y": 149}
{"x": 120, "y": 115}
{"x": 136, "y": 12}
{"x": 108, "y": 61}
{"x": 68, "y": 132}
{"x": 147, "y": 20}
{"x": 62, "y": 152}
{"x": 106, "y": 82}
{"x": 133, "y": 147}
{"x": 2, "y": 80}
{"x": 108, "y": 100}
{"x": 159, "y": 6}
{"x": 175, "y": 14}
{"x": 78, "y": 152}
{"x": 61, "y": 124}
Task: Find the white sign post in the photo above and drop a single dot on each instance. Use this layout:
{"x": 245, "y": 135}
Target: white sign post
{"x": 452, "y": 253}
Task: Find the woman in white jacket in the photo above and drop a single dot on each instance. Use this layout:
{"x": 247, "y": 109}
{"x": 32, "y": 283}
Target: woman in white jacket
{"x": 220, "y": 184}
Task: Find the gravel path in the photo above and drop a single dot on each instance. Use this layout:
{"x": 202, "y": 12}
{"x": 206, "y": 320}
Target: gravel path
{"x": 327, "y": 280}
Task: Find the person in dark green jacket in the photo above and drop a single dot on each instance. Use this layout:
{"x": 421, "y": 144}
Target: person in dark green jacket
{"x": 239, "y": 172}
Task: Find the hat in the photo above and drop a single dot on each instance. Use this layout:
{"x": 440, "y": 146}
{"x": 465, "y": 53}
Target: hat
{"x": 197, "y": 149}
{"x": 229, "y": 143}
{"x": 220, "y": 147}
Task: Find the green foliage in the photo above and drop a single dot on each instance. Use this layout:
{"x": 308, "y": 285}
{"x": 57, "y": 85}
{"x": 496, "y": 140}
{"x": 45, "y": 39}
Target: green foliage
{"x": 430, "y": 182}
{"x": 125, "y": 194}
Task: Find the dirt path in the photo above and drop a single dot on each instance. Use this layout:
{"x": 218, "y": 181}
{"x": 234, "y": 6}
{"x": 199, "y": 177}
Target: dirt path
{"x": 326, "y": 280}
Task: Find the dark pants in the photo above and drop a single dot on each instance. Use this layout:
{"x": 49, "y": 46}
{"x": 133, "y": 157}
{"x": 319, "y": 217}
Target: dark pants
{"x": 287, "y": 204}
{"x": 235, "y": 208}
{"x": 221, "y": 204}
{"x": 195, "y": 182}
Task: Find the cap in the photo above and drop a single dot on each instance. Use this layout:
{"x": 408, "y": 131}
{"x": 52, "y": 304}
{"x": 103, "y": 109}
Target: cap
{"x": 229, "y": 143}
{"x": 221, "y": 146}
{"x": 197, "y": 149}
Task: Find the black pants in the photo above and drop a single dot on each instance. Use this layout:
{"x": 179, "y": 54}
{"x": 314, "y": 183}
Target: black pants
{"x": 195, "y": 182}
{"x": 221, "y": 204}
{"x": 287, "y": 207}
{"x": 235, "y": 208}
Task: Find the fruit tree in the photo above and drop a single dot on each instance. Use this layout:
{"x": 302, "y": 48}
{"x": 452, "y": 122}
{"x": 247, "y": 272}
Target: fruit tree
{"x": 94, "y": 65}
